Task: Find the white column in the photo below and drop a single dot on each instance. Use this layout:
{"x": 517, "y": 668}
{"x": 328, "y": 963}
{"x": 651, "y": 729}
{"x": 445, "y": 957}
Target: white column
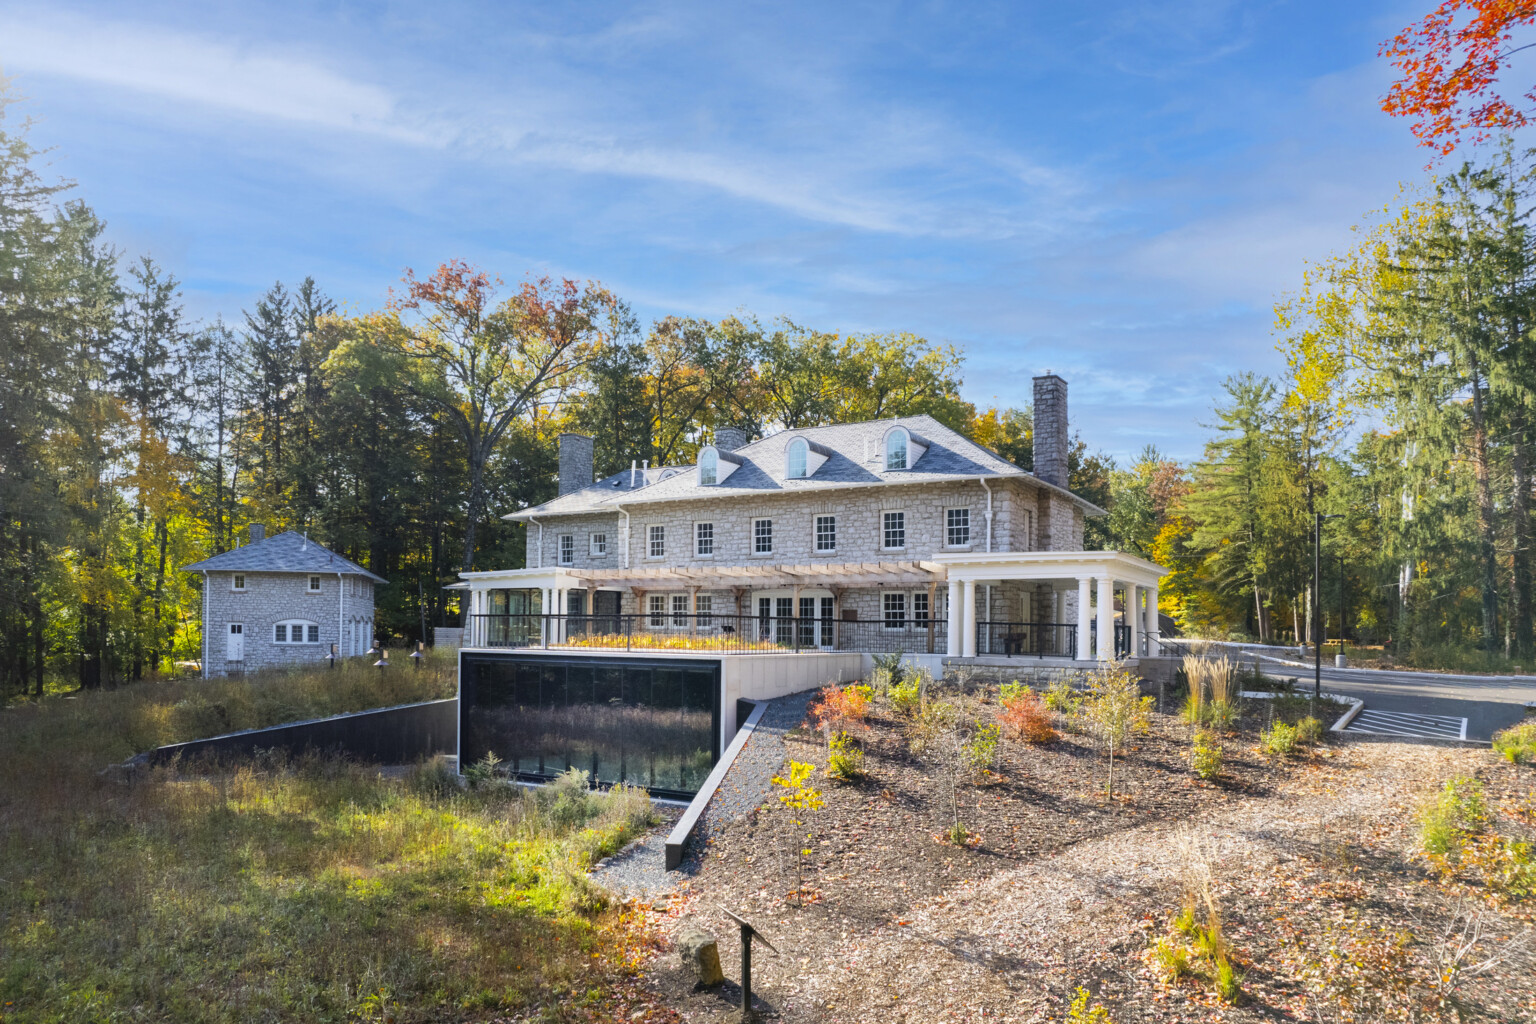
{"x": 956, "y": 621}
{"x": 1133, "y": 617}
{"x": 1152, "y": 626}
{"x": 968, "y": 620}
{"x": 1084, "y": 637}
{"x": 1106, "y": 612}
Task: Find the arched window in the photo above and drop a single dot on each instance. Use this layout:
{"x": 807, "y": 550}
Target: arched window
{"x": 295, "y": 631}
{"x": 896, "y": 449}
{"x": 709, "y": 466}
{"x": 795, "y": 468}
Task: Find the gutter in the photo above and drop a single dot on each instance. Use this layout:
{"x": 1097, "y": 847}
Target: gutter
{"x": 341, "y": 611}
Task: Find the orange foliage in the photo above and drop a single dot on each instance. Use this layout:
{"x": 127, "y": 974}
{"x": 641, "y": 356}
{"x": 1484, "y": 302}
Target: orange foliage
{"x": 1450, "y": 63}
{"x": 1026, "y": 718}
{"x": 842, "y": 708}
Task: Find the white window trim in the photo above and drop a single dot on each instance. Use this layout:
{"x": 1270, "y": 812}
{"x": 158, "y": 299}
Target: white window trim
{"x": 313, "y": 586}
{"x": 560, "y": 549}
{"x": 237, "y": 582}
{"x": 816, "y": 549}
{"x": 712, "y": 539}
{"x": 594, "y": 549}
{"x": 906, "y": 611}
{"x": 753, "y": 541}
{"x": 893, "y": 511}
{"x": 969, "y": 531}
{"x": 304, "y": 624}
{"x": 650, "y": 541}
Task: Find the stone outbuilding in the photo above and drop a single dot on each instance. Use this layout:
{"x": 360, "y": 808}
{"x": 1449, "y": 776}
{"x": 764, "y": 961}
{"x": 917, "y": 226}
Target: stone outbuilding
{"x": 282, "y": 600}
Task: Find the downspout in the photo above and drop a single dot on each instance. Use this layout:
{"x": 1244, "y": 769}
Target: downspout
{"x": 206, "y": 642}
{"x": 341, "y": 611}
{"x": 983, "y": 481}
{"x": 540, "y": 525}
{"x": 623, "y": 512}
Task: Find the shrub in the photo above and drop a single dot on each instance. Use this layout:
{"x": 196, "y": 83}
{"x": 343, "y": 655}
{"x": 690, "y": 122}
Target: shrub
{"x": 569, "y": 799}
{"x": 1456, "y": 813}
{"x": 1025, "y": 717}
{"x": 842, "y": 707}
{"x": 930, "y": 719}
{"x": 957, "y": 834}
{"x": 1062, "y": 697}
{"x": 1079, "y": 1012}
{"x": 846, "y": 759}
{"x": 981, "y": 749}
{"x": 905, "y": 696}
{"x": 483, "y": 770}
{"x": 888, "y": 671}
{"x": 1207, "y": 755}
{"x": 1278, "y": 740}
{"x": 1309, "y": 731}
{"x": 1517, "y": 743}
{"x": 1221, "y": 714}
{"x": 1010, "y": 691}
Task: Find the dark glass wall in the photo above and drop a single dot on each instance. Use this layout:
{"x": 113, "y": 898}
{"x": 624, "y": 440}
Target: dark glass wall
{"x": 648, "y": 722}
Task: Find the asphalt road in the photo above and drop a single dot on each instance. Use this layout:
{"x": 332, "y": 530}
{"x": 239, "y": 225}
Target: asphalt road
{"x": 1488, "y": 703}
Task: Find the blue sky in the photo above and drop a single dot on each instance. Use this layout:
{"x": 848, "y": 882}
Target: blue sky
{"x": 1115, "y": 191}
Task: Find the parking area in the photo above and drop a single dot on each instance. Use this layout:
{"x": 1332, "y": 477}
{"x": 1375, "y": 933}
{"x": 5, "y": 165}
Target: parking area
{"x": 1409, "y": 726}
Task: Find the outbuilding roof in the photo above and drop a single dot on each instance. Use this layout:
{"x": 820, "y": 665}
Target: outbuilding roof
{"x": 855, "y": 457}
{"x": 283, "y": 552}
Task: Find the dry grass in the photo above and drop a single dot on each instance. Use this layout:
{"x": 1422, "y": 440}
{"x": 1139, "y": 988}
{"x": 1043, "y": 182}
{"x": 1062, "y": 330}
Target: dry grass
{"x": 316, "y": 891}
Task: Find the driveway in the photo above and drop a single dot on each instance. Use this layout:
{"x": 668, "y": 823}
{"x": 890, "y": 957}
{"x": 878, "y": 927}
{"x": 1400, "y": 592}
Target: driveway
{"x": 1488, "y": 703}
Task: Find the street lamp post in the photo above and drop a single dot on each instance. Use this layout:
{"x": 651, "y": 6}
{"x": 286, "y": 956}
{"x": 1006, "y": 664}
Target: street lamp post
{"x": 1317, "y": 606}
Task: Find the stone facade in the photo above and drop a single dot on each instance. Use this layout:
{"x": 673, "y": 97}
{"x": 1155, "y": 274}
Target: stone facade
{"x": 341, "y": 611}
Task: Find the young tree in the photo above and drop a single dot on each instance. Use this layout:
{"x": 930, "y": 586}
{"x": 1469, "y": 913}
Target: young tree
{"x": 1115, "y": 708}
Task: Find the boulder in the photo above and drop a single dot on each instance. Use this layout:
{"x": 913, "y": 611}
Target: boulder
{"x": 701, "y": 954}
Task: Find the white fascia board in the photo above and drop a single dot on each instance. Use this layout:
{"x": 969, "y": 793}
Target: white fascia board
{"x": 1051, "y": 564}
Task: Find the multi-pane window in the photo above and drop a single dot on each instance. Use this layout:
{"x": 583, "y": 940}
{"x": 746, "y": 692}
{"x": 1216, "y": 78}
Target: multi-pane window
{"x": 920, "y": 608}
{"x": 896, "y": 450}
{"x": 895, "y": 611}
{"x": 314, "y": 633}
{"x": 658, "y": 610}
{"x": 679, "y": 610}
{"x": 894, "y": 533}
{"x": 704, "y": 538}
{"x": 567, "y": 549}
{"x": 807, "y": 622}
{"x": 597, "y": 544}
{"x": 281, "y": 633}
{"x": 314, "y": 584}
{"x": 826, "y": 533}
{"x": 658, "y": 547}
{"x": 796, "y": 467}
{"x": 704, "y": 607}
{"x": 238, "y": 583}
{"x": 957, "y": 527}
{"x": 762, "y": 536}
{"x": 709, "y": 467}
{"x": 295, "y": 632}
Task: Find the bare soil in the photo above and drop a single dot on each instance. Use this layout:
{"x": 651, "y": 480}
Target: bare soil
{"x": 1305, "y": 855}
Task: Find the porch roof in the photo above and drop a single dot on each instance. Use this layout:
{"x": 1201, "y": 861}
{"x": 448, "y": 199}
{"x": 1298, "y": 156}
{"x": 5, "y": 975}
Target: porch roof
{"x": 1050, "y": 565}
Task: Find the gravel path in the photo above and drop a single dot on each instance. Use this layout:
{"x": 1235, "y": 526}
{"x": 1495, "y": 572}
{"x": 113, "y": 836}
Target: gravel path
{"x": 639, "y": 870}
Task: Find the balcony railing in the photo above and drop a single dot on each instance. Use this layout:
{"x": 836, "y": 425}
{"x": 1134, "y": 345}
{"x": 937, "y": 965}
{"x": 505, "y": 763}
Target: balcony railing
{"x": 714, "y": 633}
{"x": 1027, "y": 639}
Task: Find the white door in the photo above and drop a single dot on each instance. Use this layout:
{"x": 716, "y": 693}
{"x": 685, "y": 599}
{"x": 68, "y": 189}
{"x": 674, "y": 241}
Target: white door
{"x": 234, "y": 646}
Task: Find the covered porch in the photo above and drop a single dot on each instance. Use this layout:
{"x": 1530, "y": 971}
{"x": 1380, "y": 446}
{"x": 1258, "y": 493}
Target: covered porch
{"x": 1067, "y": 604}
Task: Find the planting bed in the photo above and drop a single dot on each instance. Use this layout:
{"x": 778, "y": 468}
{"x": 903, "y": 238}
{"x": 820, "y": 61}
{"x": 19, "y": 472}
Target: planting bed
{"x": 1062, "y": 890}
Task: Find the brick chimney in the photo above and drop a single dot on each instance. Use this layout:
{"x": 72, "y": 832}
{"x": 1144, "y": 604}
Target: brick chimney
{"x": 258, "y": 532}
{"x": 575, "y": 462}
{"x": 1051, "y": 429}
{"x": 728, "y": 439}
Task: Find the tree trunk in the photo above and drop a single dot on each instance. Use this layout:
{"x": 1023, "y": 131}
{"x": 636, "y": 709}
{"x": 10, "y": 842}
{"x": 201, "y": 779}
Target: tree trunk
{"x": 162, "y": 538}
{"x": 476, "y": 504}
{"x": 1520, "y": 511}
{"x": 1487, "y": 555}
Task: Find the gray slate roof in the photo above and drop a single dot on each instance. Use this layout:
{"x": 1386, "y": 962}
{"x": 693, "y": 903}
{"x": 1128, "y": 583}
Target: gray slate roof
{"x": 283, "y": 552}
{"x": 857, "y": 457}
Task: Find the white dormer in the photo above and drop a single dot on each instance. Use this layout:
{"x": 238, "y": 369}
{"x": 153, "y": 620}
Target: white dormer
{"x": 715, "y": 465}
{"x": 803, "y": 458}
{"x": 902, "y": 448}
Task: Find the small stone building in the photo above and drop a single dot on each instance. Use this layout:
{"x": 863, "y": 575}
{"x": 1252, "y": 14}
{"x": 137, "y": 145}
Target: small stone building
{"x": 282, "y": 600}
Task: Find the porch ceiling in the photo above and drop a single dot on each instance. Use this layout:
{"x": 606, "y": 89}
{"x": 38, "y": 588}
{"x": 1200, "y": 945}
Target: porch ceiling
{"x": 847, "y": 574}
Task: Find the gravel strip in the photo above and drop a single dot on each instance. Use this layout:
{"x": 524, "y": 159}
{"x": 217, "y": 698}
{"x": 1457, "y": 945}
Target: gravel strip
{"x": 639, "y": 871}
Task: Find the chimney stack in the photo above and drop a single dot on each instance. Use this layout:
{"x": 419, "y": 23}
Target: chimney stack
{"x": 1051, "y": 429}
{"x": 258, "y": 532}
{"x": 728, "y": 439}
{"x": 575, "y": 462}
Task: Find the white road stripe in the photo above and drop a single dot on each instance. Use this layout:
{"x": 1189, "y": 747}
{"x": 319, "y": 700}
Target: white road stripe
{"x": 1397, "y": 723}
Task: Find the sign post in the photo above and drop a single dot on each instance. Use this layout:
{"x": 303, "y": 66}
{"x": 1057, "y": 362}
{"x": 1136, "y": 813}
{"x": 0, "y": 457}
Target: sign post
{"x": 747, "y": 934}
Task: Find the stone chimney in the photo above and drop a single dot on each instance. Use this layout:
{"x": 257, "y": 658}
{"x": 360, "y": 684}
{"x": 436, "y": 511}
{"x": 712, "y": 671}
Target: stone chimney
{"x": 1051, "y": 429}
{"x": 575, "y": 462}
{"x": 728, "y": 439}
{"x": 258, "y": 532}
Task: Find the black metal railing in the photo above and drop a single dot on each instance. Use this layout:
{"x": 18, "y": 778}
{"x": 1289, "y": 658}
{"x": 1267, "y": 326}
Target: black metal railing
{"x": 701, "y": 631}
{"x": 1027, "y": 639}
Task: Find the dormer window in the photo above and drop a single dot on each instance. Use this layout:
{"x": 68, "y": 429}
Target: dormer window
{"x": 709, "y": 467}
{"x": 795, "y": 459}
{"x": 896, "y": 449}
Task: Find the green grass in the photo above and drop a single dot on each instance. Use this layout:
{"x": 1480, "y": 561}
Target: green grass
{"x": 1517, "y": 744}
{"x": 313, "y": 891}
